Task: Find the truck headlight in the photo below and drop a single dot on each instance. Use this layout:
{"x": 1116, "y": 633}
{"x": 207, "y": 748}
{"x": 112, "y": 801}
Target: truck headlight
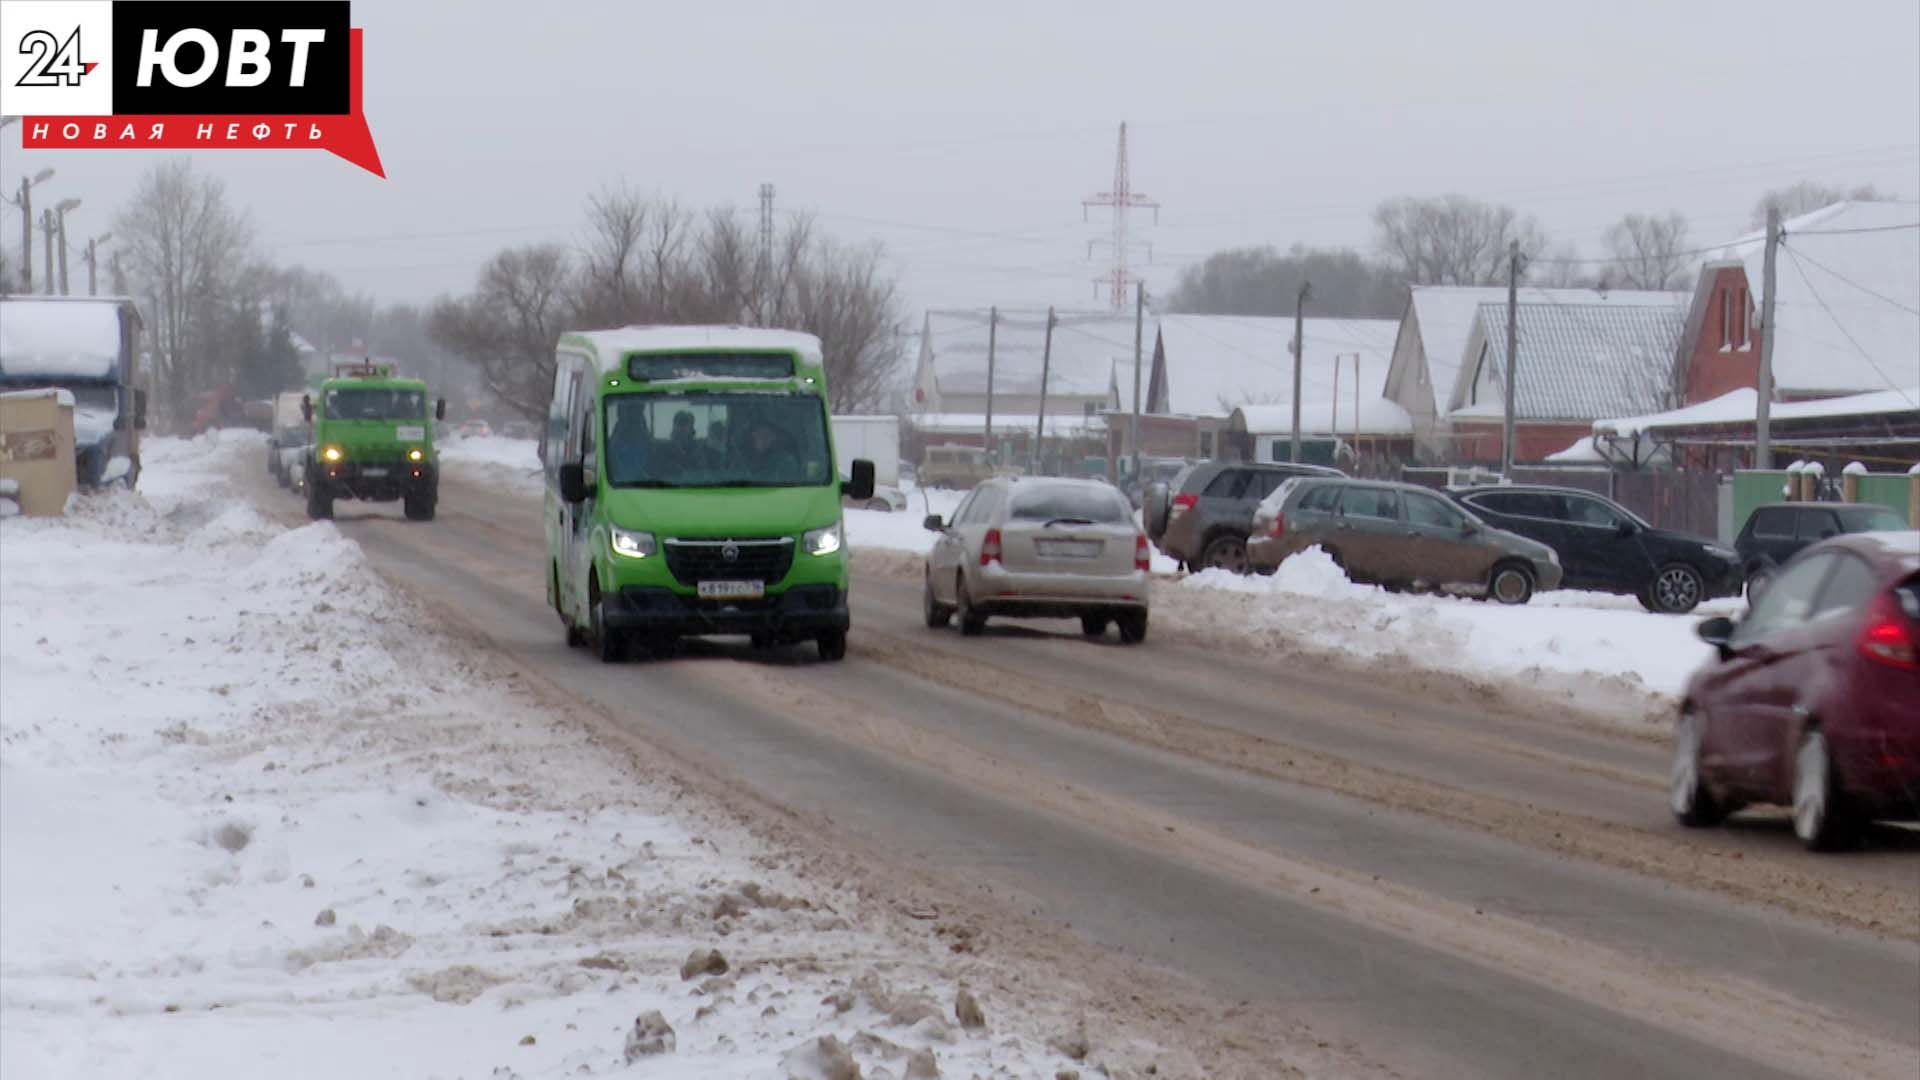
{"x": 331, "y": 453}
{"x": 822, "y": 541}
{"x": 634, "y": 545}
{"x": 415, "y": 454}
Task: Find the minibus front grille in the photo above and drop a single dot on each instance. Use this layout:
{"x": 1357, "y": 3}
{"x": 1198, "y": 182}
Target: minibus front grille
{"x": 694, "y": 561}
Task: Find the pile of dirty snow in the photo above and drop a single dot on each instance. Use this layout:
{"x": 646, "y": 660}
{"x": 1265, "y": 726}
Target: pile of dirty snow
{"x": 513, "y": 464}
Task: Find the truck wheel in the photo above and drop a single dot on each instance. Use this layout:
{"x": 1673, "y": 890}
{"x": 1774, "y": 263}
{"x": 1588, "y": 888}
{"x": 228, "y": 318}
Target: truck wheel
{"x": 420, "y": 507}
{"x": 319, "y": 502}
{"x": 833, "y": 645}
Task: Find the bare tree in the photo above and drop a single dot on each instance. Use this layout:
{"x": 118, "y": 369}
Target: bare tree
{"x": 1562, "y": 269}
{"x": 1452, "y": 239}
{"x": 186, "y": 249}
{"x": 508, "y": 327}
{"x": 1263, "y": 281}
{"x": 1648, "y": 249}
{"x": 1810, "y": 195}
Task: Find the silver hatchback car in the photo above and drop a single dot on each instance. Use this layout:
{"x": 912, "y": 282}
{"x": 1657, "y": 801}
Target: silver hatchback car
{"x": 1040, "y": 548}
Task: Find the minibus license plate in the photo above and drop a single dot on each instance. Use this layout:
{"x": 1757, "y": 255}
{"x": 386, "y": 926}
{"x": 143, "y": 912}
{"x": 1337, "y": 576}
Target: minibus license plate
{"x": 732, "y": 590}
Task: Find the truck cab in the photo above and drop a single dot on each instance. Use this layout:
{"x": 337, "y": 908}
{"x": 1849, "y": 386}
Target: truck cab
{"x": 87, "y": 347}
{"x": 372, "y": 440}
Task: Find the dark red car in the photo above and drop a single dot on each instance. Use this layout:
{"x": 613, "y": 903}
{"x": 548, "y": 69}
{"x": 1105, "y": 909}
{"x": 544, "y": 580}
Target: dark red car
{"x": 1814, "y": 701}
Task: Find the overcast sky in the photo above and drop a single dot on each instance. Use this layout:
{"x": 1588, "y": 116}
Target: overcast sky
{"x": 964, "y": 137}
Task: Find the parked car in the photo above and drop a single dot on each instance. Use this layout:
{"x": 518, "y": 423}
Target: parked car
{"x": 1202, "y": 518}
{"x": 1773, "y": 534}
{"x": 1402, "y": 536}
{"x": 953, "y": 466}
{"x": 1813, "y": 700}
{"x": 1153, "y": 470}
{"x": 1605, "y": 547}
{"x": 1040, "y": 548}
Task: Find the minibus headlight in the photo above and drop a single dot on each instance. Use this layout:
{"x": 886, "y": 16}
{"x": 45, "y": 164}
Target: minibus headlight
{"x": 634, "y": 545}
{"x": 822, "y": 541}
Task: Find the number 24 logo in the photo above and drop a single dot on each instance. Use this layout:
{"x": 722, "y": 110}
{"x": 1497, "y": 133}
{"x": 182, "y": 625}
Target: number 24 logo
{"x": 54, "y": 63}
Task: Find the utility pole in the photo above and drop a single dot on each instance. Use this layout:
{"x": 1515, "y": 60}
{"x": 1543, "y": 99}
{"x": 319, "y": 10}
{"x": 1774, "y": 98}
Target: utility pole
{"x": 46, "y": 234}
{"x": 1513, "y": 355}
{"x": 25, "y": 202}
{"x": 993, "y": 328}
{"x": 1299, "y": 334}
{"x": 93, "y": 262}
{"x": 1139, "y": 327}
{"x": 1046, "y": 362}
{"x": 60, "y": 225}
{"x": 1763, "y": 417}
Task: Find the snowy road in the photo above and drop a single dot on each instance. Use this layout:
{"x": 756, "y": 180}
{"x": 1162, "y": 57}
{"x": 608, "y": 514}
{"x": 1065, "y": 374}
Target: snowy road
{"x": 1418, "y": 871}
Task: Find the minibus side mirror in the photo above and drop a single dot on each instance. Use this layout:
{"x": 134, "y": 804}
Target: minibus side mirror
{"x": 573, "y": 483}
{"x": 860, "y": 488}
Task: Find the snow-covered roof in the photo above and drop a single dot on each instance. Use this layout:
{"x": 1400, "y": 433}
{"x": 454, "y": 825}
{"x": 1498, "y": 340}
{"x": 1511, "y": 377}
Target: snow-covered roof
{"x": 1087, "y": 349}
{"x": 1578, "y": 359}
{"x": 1061, "y": 424}
{"x": 613, "y": 344}
{"x": 65, "y": 339}
{"x": 1847, "y": 310}
{"x": 1216, "y": 363}
{"x": 1446, "y": 316}
{"x": 1378, "y": 416}
{"x": 1742, "y": 405}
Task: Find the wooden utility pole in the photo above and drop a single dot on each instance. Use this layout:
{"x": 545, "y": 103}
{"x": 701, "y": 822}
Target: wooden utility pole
{"x": 1139, "y": 326}
{"x": 1046, "y": 363}
{"x": 1763, "y": 416}
{"x": 1299, "y": 349}
{"x": 1513, "y": 355}
{"x": 46, "y": 233}
{"x": 993, "y": 326}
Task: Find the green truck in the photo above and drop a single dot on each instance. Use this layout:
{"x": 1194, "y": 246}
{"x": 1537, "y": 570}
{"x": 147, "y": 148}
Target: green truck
{"x": 372, "y": 440}
{"x": 692, "y": 489}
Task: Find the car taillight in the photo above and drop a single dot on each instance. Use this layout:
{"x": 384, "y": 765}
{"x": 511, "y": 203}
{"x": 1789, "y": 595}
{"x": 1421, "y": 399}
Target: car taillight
{"x": 1183, "y": 503}
{"x": 1886, "y": 638}
{"x": 990, "y": 547}
{"x": 1142, "y": 555}
{"x": 1279, "y": 526}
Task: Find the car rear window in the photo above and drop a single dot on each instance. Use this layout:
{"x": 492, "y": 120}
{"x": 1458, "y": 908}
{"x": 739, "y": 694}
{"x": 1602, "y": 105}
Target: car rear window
{"x": 1051, "y": 502}
{"x": 1230, "y": 484}
{"x": 1371, "y": 502}
{"x": 1774, "y": 523}
{"x": 1870, "y": 519}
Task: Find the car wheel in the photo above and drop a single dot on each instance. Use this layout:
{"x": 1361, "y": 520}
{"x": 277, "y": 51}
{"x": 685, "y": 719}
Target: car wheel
{"x": 319, "y": 503}
{"x": 1226, "y": 553}
{"x": 972, "y": 623}
{"x": 608, "y": 644}
{"x": 1093, "y": 625}
{"x": 1687, "y": 795}
{"x": 1133, "y": 627}
{"x": 1676, "y": 589}
{"x": 1511, "y": 583}
{"x": 1821, "y": 818}
{"x": 938, "y": 614}
{"x": 833, "y": 645}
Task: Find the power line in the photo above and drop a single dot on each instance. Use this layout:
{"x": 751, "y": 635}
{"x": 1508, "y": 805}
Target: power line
{"x": 1851, "y": 232}
{"x": 1855, "y": 284}
{"x": 1798, "y": 269}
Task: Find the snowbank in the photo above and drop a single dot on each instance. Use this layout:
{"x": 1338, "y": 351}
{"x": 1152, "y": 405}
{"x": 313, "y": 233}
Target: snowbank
{"x": 1565, "y": 639}
{"x": 259, "y": 817}
{"x": 495, "y": 459}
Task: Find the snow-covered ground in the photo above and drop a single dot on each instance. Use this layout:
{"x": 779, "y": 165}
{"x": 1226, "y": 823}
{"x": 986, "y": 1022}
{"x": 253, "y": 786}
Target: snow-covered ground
{"x": 260, "y": 817}
{"x": 511, "y": 463}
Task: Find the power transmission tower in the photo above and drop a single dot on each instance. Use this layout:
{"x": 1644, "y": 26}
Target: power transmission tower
{"x": 1122, "y": 199}
{"x": 765, "y": 269}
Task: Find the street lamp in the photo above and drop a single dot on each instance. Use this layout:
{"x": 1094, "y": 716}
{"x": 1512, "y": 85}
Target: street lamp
{"x": 25, "y": 202}
{"x": 93, "y": 262}
{"x": 60, "y": 224}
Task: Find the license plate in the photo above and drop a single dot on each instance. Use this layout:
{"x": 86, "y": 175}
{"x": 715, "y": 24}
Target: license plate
{"x": 1068, "y": 549}
{"x": 410, "y": 433}
{"x": 373, "y": 472}
{"x": 731, "y": 590}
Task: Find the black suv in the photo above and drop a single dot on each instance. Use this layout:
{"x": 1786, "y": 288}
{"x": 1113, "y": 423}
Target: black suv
{"x": 1604, "y": 547}
{"x": 1203, "y": 517}
{"x": 1773, "y": 534}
